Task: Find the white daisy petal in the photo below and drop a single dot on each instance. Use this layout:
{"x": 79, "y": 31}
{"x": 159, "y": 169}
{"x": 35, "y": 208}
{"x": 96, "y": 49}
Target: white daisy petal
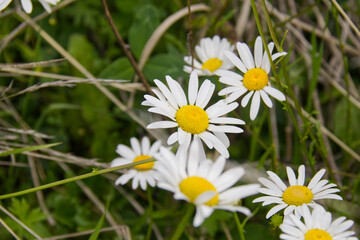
{"x": 173, "y": 138}
{"x": 193, "y": 87}
{"x": 223, "y": 138}
{"x": 218, "y": 145}
{"x": 229, "y": 178}
{"x": 245, "y": 55}
{"x": 181, "y": 136}
{"x": 162, "y": 124}
{"x": 255, "y": 105}
{"x": 236, "y": 61}
{"x": 166, "y": 92}
{"x": 135, "y": 145}
{"x": 225, "y": 129}
{"x": 301, "y": 175}
{"x": 265, "y": 64}
{"x": 275, "y": 209}
{"x": 176, "y": 91}
{"x": 265, "y": 98}
{"x": 204, "y": 197}
{"x": 291, "y": 176}
{"x": 217, "y": 168}
{"x": 27, "y": 5}
{"x": 275, "y": 178}
{"x": 235, "y": 95}
{"x": 240, "y": 209}
{"x": 125, "y": 152}
{"x": 229, "y": 74}
{"x": 246, "y": 99}
{"x": 276, "y": 55}
{"x": 258, "y": 52}
{"x": 316, "y": 178}
{"x": 4, "y": 4}
{"x": 269, "y": 184}
{"x": 205, "y": 93}
{"x": 275, "y": 93}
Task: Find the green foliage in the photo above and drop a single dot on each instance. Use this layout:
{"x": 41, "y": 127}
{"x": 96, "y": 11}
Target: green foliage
{"x": 28, "y": 215}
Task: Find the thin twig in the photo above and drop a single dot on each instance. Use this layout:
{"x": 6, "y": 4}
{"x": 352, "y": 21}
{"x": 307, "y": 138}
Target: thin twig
{"x": 125, "y": 48}
{"x": 9, "y": 230}
{"x": 189, "y": 40}
{"x": 86, "y": 73}
{"x": 346, "y": 17}
{"x": 5, "y": 41}
{"x": 19, "y": 222}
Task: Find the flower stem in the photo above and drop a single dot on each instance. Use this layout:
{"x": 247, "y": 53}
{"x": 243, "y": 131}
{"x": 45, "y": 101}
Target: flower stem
{"x": 184, "y": 222}
{"x": 95, "y": 172}
{"x": 149, "y": 213}
{"x": 240, "y": 226}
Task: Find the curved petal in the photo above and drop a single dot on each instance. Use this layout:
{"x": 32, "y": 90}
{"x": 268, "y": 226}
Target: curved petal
{"x": 245, "y": 55}
{"x": 275, "y": 93}
{"x": 193, "y": 88}
{"x": 236, "y": 61}
{"x": 255, "y": 105}
{"x": 258, "y": 52}
{"x": 27, "y": 5}
{"x": 266, "y": 98}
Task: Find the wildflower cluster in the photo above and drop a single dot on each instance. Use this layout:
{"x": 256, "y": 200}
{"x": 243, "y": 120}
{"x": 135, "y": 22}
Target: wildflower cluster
{"x": 190, "y": 176}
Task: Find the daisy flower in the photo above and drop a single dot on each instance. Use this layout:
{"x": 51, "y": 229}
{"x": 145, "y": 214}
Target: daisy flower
{"x": 290, "y": 198}
{"x": 316, "y": 225}
{"x": 255, "y": 81}
{"x": 211, "y": 56}
{"x": 202, "y": 182}
{"x": 142, "y": 174}
{"x": 27, "y": 5}
{"x": 189, "y": 116}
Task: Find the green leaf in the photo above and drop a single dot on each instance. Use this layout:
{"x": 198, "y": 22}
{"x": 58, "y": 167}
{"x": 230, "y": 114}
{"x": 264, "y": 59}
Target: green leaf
{"x": 147, "y": 18}
{"x": 96, "y": 232}
{"x": 119, "y": 69}
{"x": 81, "y": 49}
{"x": 28, "y": 149}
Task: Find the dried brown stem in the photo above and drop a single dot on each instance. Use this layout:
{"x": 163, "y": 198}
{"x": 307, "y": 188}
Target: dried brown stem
{"x": 125, "y": 48}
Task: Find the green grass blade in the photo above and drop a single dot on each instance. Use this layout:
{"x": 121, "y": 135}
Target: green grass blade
{"x": 28, "y": 149}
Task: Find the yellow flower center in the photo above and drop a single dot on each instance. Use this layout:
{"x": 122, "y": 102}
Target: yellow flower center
{"x": 317, "y": 234}
{"x": 297, "y": 195}
{"x": 192, "y": 187}
{"x": 144, "y": 166}
{"x": 212, "y": 64}
{"x": 255, "y": 79}
{"x": 192, "y": 119}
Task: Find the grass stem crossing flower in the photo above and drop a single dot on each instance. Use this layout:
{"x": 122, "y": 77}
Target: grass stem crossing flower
{"x": 142, "y": 174}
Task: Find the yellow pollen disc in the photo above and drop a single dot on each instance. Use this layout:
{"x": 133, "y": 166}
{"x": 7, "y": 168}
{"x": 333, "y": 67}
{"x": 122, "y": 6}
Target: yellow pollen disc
{"x": 297, "y": 195}
{"x": 255, "y": 79}
{"x": 212, "y": 64}
{"x": 192, "y": 119}
{"x": 317, "y": 234}
{"x": 144, "y": 166}
{"x": 192, "y": 187}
